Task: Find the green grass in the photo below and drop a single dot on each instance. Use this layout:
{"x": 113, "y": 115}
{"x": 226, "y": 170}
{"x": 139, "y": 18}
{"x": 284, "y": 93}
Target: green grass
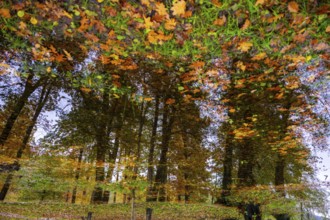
{"x": 161, "y": 211}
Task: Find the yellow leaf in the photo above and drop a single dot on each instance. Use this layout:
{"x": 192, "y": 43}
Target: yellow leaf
{"x": 244, "y": 46}
{"x": 328, "y": 29}
{"x": 241, "y": 65}
{"x": 100, "y": 1}
{"x": 179, "y": 7}
{"x": 220, "y": 21}
{"x": 160, "y": 8}
{"x": 49, "y": 69}
{"x": 68, "y": 55}
{"x": 34, "y": 21}
{"x": 147, "y": 22}
{"x": 145, "y": 2}
{"x": 170, "y": 24}
{"x": 4, "y": 12}
{"x": 148, "y": 99}
{"x": 259, "y": 56}
{"x": 85, "y": 90}
{"x": 260, "y": 2}
{"x": 293, "y": 7}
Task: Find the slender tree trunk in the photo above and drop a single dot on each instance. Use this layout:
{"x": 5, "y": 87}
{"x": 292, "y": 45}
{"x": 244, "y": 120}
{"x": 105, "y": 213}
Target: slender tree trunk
{"x": 281, "y": 162}
{"x": 150, "y": 175}
{"x": 28, "y": 90}
{"x": 74, "y": 191}
{"x": 161, "y": 173}
{"x": 227, "y": 174}
{"x": 185, "y": 166}
{"x": 41, "y": 103}
{"x": 100, "y": 196}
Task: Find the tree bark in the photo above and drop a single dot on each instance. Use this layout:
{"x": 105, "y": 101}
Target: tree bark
{"x": 28, "y": 90}
{"x": 161, "y": 173}
{"x": 150, "y": 175}
{"x": 74, "y": 191}
{"x": 41, "y": 103}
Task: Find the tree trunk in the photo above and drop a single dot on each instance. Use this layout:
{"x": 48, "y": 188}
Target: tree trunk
{"x": 150, "y": 175}
{"x": 161, "y": 173}
{"x": 227, "y": 174}
{"x": 28, "y": 90}
{"x": 74, "y": 191}
{"x": 41, "y": 103}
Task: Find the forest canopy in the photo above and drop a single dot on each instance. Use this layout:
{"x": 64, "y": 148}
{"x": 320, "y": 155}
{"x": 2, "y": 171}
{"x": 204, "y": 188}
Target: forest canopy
{"x": 208, "y": 102}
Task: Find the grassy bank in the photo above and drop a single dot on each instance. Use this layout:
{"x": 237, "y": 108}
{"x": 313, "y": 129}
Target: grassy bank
{"x": 161, "y": 211}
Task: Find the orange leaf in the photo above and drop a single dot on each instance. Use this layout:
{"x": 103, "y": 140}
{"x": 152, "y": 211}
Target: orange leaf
{"x": 216, "y": 3}
{"x": 220, "y": 21}
{"x": 4, "y": 12}
{"x": 179, "y": 7}
{"x": 244, "y": 46}
{"x": 148, "y": 99}
{"x": 160, "y": 8}
{"x": 170, "y": 101}
{"x": 246, "y": 24}
{"x": 293, "y": 7}
{"x": 170, "y": 24}
{"x": 197, "y": 64}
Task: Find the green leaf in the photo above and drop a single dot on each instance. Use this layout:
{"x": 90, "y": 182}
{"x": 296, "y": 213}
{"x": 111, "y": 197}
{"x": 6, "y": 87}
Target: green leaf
{"x": 20, "y": 14}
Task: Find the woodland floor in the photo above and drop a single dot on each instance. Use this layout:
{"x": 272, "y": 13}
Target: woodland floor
{"x": 161, "y": 211}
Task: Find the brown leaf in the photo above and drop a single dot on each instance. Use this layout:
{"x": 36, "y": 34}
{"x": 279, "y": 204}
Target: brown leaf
{"x": 170, "y": 101}
{"x": 328, "y": 29}
{"x": 322, "y": 46}
{"x": 293, "y": 7}
{"x": 220, "y": 21}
